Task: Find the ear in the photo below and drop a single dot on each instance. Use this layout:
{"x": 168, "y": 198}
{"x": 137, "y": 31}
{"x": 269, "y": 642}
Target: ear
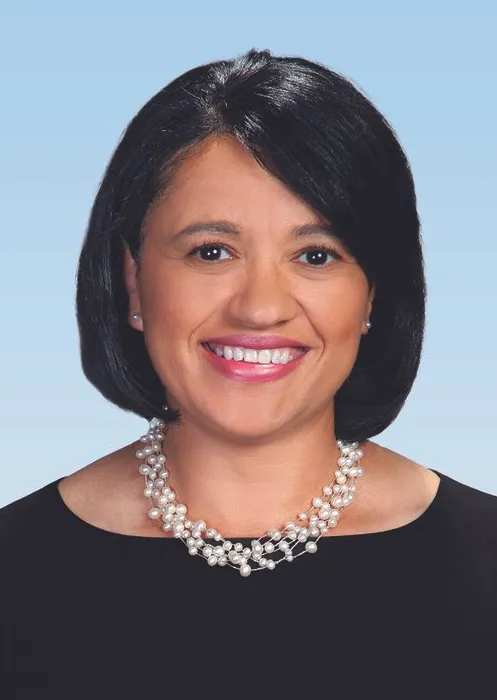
{"x": 131, "y": 282}
{"x": 369, "y": 308}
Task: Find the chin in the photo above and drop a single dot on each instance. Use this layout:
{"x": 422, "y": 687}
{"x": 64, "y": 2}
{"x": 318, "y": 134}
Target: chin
{"x": 246, "y": 426}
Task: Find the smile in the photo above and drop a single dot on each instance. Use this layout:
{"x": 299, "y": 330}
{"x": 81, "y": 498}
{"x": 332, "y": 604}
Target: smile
{"x": 278, "y": 356}
{"x": 251, "y": 365}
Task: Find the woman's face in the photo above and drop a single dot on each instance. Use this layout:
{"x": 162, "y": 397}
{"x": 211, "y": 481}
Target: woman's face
{"x": 226, "y": 252}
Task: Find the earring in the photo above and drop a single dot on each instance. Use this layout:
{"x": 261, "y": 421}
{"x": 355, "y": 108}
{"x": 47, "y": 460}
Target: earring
{"x": 368, "y": 324}
{"x": 135, "y": 316}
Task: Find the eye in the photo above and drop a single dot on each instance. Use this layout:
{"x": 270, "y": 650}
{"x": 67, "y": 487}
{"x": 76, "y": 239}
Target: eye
{"x": 209, "y": 252}
{"x": 317, "y": 256}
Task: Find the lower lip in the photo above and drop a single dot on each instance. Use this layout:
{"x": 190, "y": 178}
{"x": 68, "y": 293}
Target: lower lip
{"x": 251, "y": 371}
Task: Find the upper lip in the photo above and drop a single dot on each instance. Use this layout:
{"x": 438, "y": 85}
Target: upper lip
{"x": 257, "y": 342}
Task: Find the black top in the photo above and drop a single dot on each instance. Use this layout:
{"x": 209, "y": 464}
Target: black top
{"x": 404, "y": 613}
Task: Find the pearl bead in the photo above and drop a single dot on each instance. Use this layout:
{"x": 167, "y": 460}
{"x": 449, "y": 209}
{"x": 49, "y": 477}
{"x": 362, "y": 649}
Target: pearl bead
{"x": 245, "y": 570}
{"x": 207, "y": 551}
{"x": 192, "y": 550}
{"x": 269, "y": 547}
{"x": 181, "y": 509}
{"x": 311, "y": 547}
{"x": 238, "y": 547}
{"x": 154, "y": 513}
{"x": 227, "y": 545}
{"x": 270, "y": 564}
{"x": 283, "y": 546}
{"x": 212, "y": 561}
{"x": 144, "y": 469}
{"x": 327, "y": 490}
{"x": 234, "y": 557}
{"x": 317, "y": 502}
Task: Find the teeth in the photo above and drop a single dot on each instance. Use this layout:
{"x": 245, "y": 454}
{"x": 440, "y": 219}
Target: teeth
{"x": 263, "y": 357}
{"x": 237, "y": 354}
{"x": 248, "y": 355}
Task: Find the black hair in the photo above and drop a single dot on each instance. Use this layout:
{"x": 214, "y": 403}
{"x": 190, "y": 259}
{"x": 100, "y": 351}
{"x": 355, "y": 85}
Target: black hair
{"x": 321, "y": 137}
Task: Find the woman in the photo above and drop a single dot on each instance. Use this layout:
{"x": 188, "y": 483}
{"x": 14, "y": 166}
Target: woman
{"x": 252, "y": 284}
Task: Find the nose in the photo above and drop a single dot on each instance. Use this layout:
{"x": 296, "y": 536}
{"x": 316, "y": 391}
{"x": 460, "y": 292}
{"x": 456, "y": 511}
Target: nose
{"x": 263, "y": 298}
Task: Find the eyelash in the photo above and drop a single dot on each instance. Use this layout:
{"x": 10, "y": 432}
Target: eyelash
{"x": 214, "y": 244}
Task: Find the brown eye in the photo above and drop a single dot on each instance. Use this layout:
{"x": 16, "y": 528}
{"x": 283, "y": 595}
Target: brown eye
{"x": 318, "y": 257}
{"x": 209, "y": 253}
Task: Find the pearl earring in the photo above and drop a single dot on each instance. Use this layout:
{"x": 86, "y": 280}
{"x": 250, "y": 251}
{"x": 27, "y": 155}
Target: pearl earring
{"x": 368, "y": 324}
{"x": 135, "y": 316}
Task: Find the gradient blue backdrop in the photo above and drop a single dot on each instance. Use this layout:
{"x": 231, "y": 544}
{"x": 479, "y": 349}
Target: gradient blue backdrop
{"x": 74, "y": 73}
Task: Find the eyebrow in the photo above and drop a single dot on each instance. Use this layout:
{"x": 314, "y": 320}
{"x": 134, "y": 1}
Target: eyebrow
{"x": 225, "y": 227}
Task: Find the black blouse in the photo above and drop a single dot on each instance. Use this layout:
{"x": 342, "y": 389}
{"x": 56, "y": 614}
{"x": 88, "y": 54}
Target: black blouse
{"x": 405, "y": 613}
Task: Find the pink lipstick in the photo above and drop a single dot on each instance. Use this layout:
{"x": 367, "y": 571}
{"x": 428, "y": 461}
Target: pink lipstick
{"x": 254, "y": 358}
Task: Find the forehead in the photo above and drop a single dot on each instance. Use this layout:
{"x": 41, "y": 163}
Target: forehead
{"x": 220, "y": 179}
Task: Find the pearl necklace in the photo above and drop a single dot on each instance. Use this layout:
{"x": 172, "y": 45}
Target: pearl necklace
{"x": 278, "y": 544}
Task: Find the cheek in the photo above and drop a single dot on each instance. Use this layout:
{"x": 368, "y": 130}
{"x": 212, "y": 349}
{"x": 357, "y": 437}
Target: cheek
{"x": 338, "y": 313}
{"x": 172, "y": 306}
{"x": 338, "y": 316}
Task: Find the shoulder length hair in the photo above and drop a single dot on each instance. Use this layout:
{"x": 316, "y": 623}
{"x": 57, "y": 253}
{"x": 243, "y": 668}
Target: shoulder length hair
{"x": 322, "y": 138}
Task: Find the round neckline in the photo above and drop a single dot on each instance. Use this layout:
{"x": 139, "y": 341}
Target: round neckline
{"x": 406, "y": 529}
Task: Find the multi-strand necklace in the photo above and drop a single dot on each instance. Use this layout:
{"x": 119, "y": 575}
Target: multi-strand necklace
{"x": 278, "y": 544}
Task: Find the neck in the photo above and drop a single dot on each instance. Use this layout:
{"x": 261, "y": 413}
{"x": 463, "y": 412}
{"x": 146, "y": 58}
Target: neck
{"x": 242, "y": 490}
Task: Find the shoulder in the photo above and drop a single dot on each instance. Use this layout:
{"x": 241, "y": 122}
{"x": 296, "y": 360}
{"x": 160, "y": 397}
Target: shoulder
{"x": 468, "y": 514}
{"x": 27, "y": 515}
{"x": 472, "y": 502}
{"x": 30, "y": 540}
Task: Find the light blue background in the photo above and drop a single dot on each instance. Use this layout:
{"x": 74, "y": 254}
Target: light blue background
{"x": 74, "y": 74}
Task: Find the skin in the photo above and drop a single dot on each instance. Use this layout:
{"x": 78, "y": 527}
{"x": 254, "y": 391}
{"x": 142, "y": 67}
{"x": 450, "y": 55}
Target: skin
{"x": 246, "y": 456}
